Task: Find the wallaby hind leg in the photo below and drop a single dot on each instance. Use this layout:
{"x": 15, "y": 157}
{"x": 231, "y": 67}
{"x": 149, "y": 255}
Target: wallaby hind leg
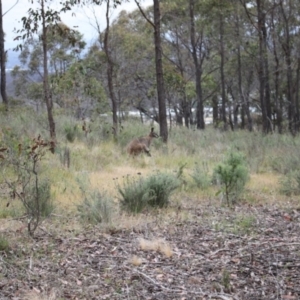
{"x": 147, "y": 150}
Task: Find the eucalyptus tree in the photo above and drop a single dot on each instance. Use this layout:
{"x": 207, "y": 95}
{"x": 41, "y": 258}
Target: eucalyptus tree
{"x": 105, "y": 44}
{"x": 79, "y": 91}
{"x": 276, "y": 68}
{"x": 161, "y": 97}
{"x": 132, "y": 50}
{"x": 2, "y": 60}
{"x": 175, "y": 38}
{"x": 218, "y": 14}
{"x": 198, "y": 57}
{"x": 257, "y": 13}
{"x": 110, "y": 68}
{"x": 38, "y": 21}
{"x": 239, "y": 67}
{"x": 63, "y": 49}
{"x": 186, "y": 29}
{"x": 3, "y": 54}
{"x": 287, "y": 38}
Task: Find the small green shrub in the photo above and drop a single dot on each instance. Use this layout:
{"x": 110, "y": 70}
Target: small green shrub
{"x": 153, "y": 191}
{"x": 232, "y": 175}
{"x": 290, "y": 183}
{"x": 71, "y": 132}
{"x": 225, "y": 280}
{"x": 45, "y": 202}
{"x": 22, "y": 162}
{"x": 4, "y": 245}
{"x": 244, "y": 224}
{"x": 96, "y": 207}
{"x": 200, "y": 176}
{"x": 285, "y": 163}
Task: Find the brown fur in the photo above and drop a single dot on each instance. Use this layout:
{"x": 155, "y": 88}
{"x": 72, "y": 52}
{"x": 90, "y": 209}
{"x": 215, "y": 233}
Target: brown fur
{"x": 141, "y": 144}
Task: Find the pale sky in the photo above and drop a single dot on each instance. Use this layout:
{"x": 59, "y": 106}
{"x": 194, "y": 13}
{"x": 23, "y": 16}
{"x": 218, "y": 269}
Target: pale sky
{"x": 84, "y": 18}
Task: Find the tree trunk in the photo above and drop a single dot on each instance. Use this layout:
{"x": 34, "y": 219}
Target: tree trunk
{"x": 297, "y": 91}
{"x": 263, "y": 68}
{"x": 215, "y": 106}
{"x": 222, "y": 55}
{"x": 110, "y": 72}
{"x": 159, "y": 74}
{"x": 2, "y": 60}
{"x": 245, "y": 105}
{"x": 47, "y": 92}
{"x": 198, "y": 70}
{"x": 289, "y": 73}
{"x": 186, "y": 111}
{"x": 277, "y": 110}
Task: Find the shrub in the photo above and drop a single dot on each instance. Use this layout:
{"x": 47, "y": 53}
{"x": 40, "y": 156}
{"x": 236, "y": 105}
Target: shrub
{"x": 21, "y": 172}
{"x": 96, "y": 206}
{"x": 45, "y": 202}
{"x": 232, "y": 175}
{"x": 200, "y": 176}
{"x": 285, "y": 163}
{"x": 4, "y": 245}
{"x": 71, "y": 132}
{"x": 153, "y": 191}
{"x": 290, "y": 184}
{"x": 244, "y": 224}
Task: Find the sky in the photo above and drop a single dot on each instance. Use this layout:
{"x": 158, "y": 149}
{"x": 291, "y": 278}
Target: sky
{"x": 81, "y": 19}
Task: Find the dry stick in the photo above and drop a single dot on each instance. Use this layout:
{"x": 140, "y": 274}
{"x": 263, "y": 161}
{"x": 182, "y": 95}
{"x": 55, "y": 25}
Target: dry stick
{"x": 219, "y": 296}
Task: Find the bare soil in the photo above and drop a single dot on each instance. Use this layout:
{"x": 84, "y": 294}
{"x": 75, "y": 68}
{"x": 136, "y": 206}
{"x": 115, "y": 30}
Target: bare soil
{"x": 207, "y": 252}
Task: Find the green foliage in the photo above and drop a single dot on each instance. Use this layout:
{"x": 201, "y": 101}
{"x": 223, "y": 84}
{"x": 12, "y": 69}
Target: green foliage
{"x": 244, "y": 224}
{"x": 286, "y": 164}
{"x": 290, "y": 183}
{"x": 225, "y": 279}
{"x": 4, "y": 245}
{"x": 200, "y": 176}
{"x": 45, "y": 201}
{"x": 153, "y": 191}
{"x": 71, "y": 132}
{"x": 21, "y": 172}
{"x": 96, "y": 207}
{"x": 232, "y": 175}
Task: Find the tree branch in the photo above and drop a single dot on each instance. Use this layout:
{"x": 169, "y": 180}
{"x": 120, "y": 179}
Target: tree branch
{"x": 144, "y": 15}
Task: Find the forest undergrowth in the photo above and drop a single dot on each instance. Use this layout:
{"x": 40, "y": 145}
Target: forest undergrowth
{"x": 90, "y": 175}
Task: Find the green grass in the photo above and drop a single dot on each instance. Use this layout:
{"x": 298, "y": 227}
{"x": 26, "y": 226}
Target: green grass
{"x": 102, "y": 159}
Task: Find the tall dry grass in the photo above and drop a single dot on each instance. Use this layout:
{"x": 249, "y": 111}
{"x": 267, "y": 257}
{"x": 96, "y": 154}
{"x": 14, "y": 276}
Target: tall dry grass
{"x": 104, "y": 161}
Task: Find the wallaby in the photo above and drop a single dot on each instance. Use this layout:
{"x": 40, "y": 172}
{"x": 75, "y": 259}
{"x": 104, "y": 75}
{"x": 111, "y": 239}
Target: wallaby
{"x": 141, "y": 144}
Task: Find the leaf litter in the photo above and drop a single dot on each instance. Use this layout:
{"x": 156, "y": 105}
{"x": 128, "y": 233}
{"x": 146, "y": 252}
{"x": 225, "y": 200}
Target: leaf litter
{"x": 216, "y": 253}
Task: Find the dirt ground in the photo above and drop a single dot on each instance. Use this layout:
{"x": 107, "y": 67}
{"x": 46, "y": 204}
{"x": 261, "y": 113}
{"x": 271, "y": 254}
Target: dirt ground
{"x": 204, "y": 252}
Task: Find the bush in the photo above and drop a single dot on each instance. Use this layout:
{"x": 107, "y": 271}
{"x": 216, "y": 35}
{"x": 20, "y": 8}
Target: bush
{"x": 71, "y": 132}
{"x": 45, "y": 203}
{"x": 153, "y": 191}
{"x": 232, "y": 175}
{"x": 21, "y": 172}
{"x": 286, "y": 163}
{"x": 96, "y": 206}
{"x": 290, "y": 184}
{"x": 4, "y": 245}
{"x": 200, "y": 176}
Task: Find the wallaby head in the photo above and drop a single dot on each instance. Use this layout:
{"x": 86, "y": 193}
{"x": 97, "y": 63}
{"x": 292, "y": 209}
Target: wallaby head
{"x": 141, "y": 144}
